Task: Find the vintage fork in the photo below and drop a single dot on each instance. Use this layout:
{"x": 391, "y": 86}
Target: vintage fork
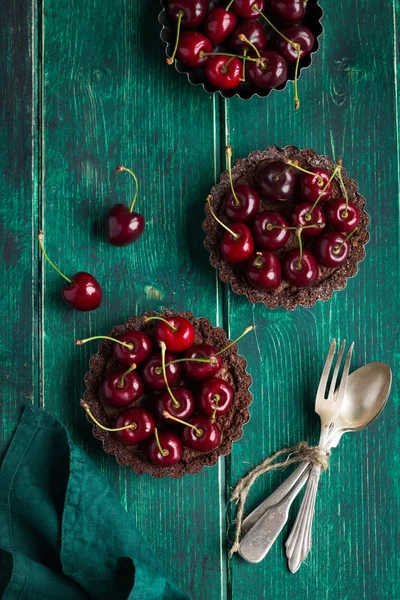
{"x": 298, "y": 543}
{"x": 264, "y": 524}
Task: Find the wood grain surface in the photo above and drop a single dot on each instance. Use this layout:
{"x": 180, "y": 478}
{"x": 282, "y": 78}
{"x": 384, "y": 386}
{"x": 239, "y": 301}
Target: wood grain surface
{"x": 84, "y": 87}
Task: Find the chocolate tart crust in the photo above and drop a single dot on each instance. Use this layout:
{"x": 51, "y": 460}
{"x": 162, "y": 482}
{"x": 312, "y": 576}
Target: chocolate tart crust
{"x": 286, "y": 296}
{"x": 233, "y": 370}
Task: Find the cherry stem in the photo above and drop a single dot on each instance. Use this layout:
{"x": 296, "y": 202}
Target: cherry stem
{"x": 171, "y": 59}
{"x": 296, "y": 77}
{"x": 40, "y": 238}
{"x": 202, "y": 54}
{"x": 146, "y": 319}
{"x": 210, "y": 360}
{"x": 299, "y": 264}
{"x": 293, "y": 44}
{"x": 335, "y": 172}
{"x": 345, "y": 214}
{"x": 270, "y": 227}
{"x": 224, "y": 69}
{"x": 121, "y": 382}
{"x": 216, "y": 399}
{"x": 244, "y": 65}
{"x": 163, "y": 452}
{"x": 233, "y": 234}
{"x": 243, "y": 38}
{"x": 257, "y": 261}
{"x": 245, "y": 332}
{"x": 163, "y": 350}
{"x": 229, "y": 162}
{"x": 229, "y": 5}
{"x": 103, "y": 337}
{"x": 86, "y": 407}
{"x": 295, "y": 164}
{"x": 119, "y": 170}
{"x": 167, "y": 415}
{"x": 337, "y": 249}
{"x": 279, "y": 175}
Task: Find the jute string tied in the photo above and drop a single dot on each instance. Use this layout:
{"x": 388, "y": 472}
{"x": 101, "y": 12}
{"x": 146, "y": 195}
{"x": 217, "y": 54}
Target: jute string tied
{"x": 296, "y": 454}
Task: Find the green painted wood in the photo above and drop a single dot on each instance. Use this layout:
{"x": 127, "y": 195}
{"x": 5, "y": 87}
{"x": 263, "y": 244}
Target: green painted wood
{"x": 86, "y": 88}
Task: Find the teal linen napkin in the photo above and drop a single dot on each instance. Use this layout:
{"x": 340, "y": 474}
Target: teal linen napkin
{"x": 63, "y": 532}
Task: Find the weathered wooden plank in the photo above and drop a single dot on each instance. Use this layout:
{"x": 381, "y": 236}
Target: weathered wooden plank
{"x": 348, "y": 110}
{"x": 110, "y": 99}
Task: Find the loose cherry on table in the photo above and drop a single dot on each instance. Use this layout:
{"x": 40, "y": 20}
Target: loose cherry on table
{"x": 188, "y": 13}
{"x": 132, "y": 426}
{"x": 178, "y": 401}
{"x": 297, "y": 34}
{"x": 290, "y": 11}
{"x": 214, "y": 397}
{"x": 304, "y": 214}
{"x": 248, "y": 34}
{"x": 270, "y": 72}
{"x": 192, "y": 48}
{"x": 199, "y": 433}
{"x": 264, "y": 271}
{"x": 270, "y": 230}
{"x": 152, "y": 371}
{"x": 331, "y": 248}
{"x": 122, "y": 388}
{"x": 224, "y": 71}
{"x": 299, "y": 266}
{"x": 248, "y": 9}
{"x": 237, "y": 243}
{"x": 165, "y": 449}
{"x": 176, "y": 332}
{"x": 276, "y": 180}
{"x": 82, "y": 291}
{"x": 132, "y": 346}
{"x": 243, "y": 202}
{"x": 123, "y": 226}
{"x": 219, "y": 24}
{"x": 342, "y": 214}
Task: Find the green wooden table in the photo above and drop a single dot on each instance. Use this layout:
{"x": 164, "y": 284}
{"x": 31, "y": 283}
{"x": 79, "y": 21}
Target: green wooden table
{"x": 84, "y": 87}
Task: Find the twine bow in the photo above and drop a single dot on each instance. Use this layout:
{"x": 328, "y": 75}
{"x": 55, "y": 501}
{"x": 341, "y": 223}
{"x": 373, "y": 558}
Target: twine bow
{"x": 296, "y": 454}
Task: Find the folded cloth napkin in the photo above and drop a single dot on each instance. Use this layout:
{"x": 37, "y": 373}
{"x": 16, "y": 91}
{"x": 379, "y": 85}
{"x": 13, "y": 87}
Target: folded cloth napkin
{"x": 63, "y": 532}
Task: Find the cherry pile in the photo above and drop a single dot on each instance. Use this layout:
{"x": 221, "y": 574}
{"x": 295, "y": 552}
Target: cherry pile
{"x": 256, "y": 238}
{"x": 184, "y": 395}
{"x": 241, "y": 40}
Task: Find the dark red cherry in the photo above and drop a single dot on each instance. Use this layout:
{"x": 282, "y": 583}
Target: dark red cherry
{"x": 176, "y": 332}
{"x": 253, "y": 31}
{"x": 184, "y": 399}
{"x": 300, "y": 271}
{"x": 204, "y": 438}
{"x": 264, "y": 271}
{"x": 237, "y": 249}
{"x": 340, "y": 217}
{"x": 271, "y": 73}
{"x": 330, "y": 249}
{"x": 197, "y": 371}
{"x": 123, "y": 227}
{"x": 224, "y": 72}
{"x": 247, "y": 9}
{"x": 300, "y": 34}
{"x": 140, "y": 350}
{"x": 214, "y": 394}
{"x": 171, "y": 449}
{"x": 270, "y": 239}
{"x": 245, "y": 206}
{"x": 291, "y": 11}
{"x": 83, "y": 293}
{"x": 121, "y": 390}
{"x": 142, "y": 422}
{"x": 152, "y": 373}
{"x": 276, "y": 180}
{"x": 301, "y": 217}
{"x": 311, "y": 186}
{"x": 194, "y": 11}
{"x": 219, "y": 24}
{"x": 191, "y": 45}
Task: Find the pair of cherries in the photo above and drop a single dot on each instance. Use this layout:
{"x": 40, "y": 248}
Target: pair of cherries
{"x": 160, "y": 376}
{"x": 122, "y": 227}
{"x": 269, "y": 230}
{"x": 244, "y": 52}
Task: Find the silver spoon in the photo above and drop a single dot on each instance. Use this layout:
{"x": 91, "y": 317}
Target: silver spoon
{"x": 367, "y": 393}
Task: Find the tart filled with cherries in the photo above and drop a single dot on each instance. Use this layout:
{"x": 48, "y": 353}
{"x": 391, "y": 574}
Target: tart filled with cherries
{"x": 285, "y": 227}
{"x": 241, "y": 46}
{"x": 167, "y": 393}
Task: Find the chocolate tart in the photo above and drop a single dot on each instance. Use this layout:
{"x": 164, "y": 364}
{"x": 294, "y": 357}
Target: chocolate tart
{"x": 286, "y": 296}
{"x": 233, "y": 370}
{"x": 245, "y": 90}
